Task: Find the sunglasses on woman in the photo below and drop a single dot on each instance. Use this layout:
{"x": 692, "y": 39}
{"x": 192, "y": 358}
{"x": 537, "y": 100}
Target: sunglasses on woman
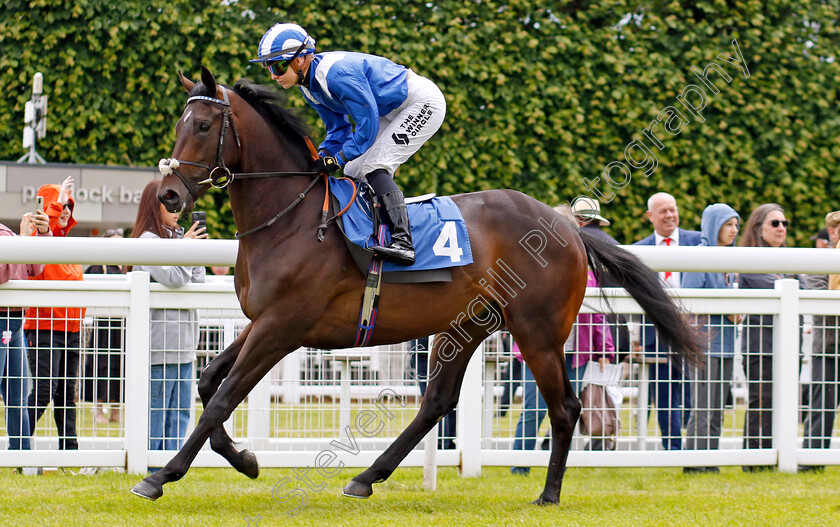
{"x": 775, "y": 223}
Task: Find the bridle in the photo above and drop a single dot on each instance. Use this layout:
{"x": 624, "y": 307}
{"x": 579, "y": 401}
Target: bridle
{"x": 221, "y": 176}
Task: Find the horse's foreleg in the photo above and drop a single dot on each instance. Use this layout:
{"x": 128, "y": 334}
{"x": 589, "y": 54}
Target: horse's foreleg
{"x": 255, "y": 360}
{"x": 564, "y": 409}
{"x": 211, "y": 377}
{"x": 441, "y": 397}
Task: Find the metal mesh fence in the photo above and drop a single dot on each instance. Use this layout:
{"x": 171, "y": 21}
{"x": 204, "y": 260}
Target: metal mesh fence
{"x": 73, "y": 383}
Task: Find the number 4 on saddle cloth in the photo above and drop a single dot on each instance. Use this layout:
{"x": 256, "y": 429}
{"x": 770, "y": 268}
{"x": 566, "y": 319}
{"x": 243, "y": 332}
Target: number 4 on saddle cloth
{"x": 438, "y": 231}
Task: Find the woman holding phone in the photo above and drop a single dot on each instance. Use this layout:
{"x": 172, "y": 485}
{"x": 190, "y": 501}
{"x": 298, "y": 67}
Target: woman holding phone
{"x": 53, "y": 334}
{"x": 173, "y": 332}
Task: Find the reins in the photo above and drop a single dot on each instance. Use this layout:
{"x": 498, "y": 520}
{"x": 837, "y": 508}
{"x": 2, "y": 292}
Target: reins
{"x": 171, "y": 165}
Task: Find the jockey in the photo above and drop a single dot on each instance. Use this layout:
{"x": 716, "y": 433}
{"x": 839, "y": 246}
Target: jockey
{"x": 393, "y": 111}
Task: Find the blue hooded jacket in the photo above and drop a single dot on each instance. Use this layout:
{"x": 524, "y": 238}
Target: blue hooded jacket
{"x": 720, "y": 329}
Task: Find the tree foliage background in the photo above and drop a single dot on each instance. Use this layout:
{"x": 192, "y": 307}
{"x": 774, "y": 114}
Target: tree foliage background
{"x": 538, "y": 97}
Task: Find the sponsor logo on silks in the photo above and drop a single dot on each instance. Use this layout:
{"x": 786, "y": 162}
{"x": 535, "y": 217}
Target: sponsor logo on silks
{"x": 414, "y": 123}
{"x": 400, "y": 139}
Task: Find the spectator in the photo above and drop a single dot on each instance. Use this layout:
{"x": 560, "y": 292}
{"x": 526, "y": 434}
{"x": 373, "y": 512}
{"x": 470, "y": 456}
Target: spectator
{"x": 589, "y": 341}
{"x": 220, "y": 270}
{"x": 53, "y": 334}
{"x": 668, "y": 390}
{"x": 104, "y": 364}
{"x": 711, "y": 382}
{"x": 419, "y": 350}
{"x": 824, "y": 395}
{"x": 173, "y": 332}
{"x": 766, "y": 227}
{"x": 587, "y": 213}
{"x": 15, "y": 380}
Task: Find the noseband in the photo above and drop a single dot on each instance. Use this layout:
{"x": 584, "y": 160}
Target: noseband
{"x": 220, "y": 175}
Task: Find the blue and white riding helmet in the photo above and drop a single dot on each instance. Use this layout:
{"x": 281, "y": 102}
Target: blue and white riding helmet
{"x": 284, "y": 42}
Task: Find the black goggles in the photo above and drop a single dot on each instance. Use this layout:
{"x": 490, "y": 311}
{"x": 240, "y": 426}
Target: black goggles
{"x": 279, "y": 67}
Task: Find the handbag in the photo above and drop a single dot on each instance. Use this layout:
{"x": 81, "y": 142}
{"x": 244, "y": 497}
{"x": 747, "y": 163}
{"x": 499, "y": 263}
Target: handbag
{"x": 598, "y": 418}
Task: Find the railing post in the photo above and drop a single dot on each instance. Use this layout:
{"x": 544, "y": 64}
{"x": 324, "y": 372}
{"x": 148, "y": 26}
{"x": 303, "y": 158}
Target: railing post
{"x": 290, "y": 369}
{"x": 430, "y": 447}
{"x": 137, "y": 374}
{"x": 259, "y": 414}
{"x": 430, "y": 459}
{"x": 786, "y": 374}
{"x": 469, "y": 416}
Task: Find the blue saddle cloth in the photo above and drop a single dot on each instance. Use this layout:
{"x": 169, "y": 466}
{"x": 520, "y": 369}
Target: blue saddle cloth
{"x": 438, "y": 230}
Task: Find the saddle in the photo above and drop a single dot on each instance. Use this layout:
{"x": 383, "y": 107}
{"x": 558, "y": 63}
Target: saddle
{"x": 438, "y": 231}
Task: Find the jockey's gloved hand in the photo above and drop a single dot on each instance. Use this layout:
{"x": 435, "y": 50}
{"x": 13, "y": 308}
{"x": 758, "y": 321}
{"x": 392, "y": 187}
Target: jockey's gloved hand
{"x": 325, "y": 165}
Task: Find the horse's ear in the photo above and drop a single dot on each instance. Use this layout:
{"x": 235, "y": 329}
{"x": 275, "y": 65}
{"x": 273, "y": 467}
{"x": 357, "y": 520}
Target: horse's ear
{"x": 208, "y": 80}
{"x": 186, "y": 83}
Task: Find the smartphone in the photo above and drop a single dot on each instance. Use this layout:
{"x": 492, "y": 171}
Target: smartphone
{"x": 40, "y": 204}
{"x": 201, "y": 217}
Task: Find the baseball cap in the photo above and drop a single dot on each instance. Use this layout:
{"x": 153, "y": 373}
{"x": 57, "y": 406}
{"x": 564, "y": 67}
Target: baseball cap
{"x": 588, "y": 209}
{"x": 821, "y": 235}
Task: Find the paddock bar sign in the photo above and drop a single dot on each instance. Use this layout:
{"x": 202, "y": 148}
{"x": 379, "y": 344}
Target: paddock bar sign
{"x": 105, "y": 196}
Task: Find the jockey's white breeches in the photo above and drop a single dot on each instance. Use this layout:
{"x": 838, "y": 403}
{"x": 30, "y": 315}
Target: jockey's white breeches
{"x": 404, "y": 130}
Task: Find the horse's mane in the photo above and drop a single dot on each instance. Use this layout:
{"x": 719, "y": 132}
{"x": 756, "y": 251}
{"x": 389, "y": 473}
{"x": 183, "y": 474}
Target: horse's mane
{"x": 269, "y": 103}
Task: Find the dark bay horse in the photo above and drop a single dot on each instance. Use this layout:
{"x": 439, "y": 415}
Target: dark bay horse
{"x": 528, "y": 274}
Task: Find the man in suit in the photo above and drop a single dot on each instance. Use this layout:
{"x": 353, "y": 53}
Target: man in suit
{"x": 667, "y": 389}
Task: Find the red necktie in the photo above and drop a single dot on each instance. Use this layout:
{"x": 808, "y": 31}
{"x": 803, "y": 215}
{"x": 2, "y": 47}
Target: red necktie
{"x": 667, "y": 273}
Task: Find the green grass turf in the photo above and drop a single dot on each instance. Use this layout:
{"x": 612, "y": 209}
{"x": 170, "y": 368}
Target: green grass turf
{"x": 591, "y": 496}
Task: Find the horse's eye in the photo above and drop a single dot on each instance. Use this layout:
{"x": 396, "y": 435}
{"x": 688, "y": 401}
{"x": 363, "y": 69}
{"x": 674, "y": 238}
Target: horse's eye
{"x": 204, "y": 127}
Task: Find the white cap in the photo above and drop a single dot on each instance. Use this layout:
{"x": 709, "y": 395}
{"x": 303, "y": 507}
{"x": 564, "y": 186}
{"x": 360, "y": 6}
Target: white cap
{"x": 588, "y": 209}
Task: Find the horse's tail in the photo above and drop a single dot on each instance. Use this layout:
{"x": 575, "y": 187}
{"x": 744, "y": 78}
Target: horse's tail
{"x": 609, "y": 261}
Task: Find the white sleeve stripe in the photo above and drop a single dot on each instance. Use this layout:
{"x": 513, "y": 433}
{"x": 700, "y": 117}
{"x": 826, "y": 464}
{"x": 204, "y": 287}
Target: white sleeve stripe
{"x": 324, "y": 68}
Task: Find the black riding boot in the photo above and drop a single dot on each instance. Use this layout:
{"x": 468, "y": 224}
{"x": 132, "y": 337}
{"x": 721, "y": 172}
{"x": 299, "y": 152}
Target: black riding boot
{"x": 401, "y": 250}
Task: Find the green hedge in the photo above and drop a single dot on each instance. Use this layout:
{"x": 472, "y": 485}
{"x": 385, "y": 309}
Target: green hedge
{"x": 538, "y": 98}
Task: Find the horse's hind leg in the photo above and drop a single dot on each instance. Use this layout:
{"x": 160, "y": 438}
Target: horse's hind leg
{"x": 211, "y": 377}
{"x": 549, "y": 370}
{"x": 441, "y": 397}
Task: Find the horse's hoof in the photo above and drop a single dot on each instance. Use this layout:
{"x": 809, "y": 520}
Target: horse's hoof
{"x": 147, "y": 490}
{"x": 248, "y": 464}
{"x": 354, "y": 489}
{"x": 541, "y": 501}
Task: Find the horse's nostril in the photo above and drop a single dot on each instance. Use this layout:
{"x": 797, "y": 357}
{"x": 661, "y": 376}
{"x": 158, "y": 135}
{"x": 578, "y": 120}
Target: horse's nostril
{"x": 169, "y": 199}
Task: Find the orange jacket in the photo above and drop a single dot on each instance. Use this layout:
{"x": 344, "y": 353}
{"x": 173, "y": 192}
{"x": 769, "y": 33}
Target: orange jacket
{"x": 56, "y": 318}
